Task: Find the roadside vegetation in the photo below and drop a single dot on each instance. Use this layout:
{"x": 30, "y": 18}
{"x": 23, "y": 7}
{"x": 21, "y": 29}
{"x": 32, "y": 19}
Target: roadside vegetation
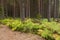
{"x": 47, "y": 30}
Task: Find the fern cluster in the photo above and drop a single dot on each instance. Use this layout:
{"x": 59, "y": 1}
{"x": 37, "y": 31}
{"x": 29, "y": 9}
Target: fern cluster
{"x": 46, "y": 29}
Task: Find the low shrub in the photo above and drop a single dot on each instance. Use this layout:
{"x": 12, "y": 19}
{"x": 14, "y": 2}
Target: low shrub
{"x": 41, "y": 27}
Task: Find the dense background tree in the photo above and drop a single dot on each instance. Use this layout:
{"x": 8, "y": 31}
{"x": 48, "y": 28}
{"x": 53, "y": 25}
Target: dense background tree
{"x": 30, "y": 8}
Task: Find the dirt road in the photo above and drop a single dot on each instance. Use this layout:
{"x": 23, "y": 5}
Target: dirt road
{"x": 8, "y": 34}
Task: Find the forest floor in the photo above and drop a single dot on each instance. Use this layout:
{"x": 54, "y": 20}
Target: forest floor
{"x": 8, "y": 34}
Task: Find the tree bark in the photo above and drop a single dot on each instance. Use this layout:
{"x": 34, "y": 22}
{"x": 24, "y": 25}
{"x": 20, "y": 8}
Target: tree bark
{"x": 2, "y": 4}
{"x": 49, "y": 12}
{"x": 27, "y": 8}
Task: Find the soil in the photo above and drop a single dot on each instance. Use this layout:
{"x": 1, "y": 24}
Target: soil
{"x": 8, "y": 34}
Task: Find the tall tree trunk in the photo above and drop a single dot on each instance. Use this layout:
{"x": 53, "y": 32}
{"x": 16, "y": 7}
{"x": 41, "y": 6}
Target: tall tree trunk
{"x": 55, "y": 8}
{"x": 14, "y": 9}
{"x": 39, "y": 7}
{"x": 22, "y": 9}
{"x": 27, "y": 8}
{"x": 59, "y": 8}
{"x": 2, "y": 4}
{"x": 49, "y": 12}
{"x": 5, "y": 8}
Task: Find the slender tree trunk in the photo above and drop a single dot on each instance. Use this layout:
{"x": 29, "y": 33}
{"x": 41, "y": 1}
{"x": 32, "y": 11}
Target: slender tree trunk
{"x": 42, "y": 8}
{"x": 55, "y": 8}
{"x": 2, "y": 4}
{"x": 59, "y": 8}
{"x": 0, "y": 10}
{"x": 27, "y": 8}
{"x": 14, "y": 9}
{"x": 5, "y": 7}
{"x": 22, "y": 9}
{"x": 49, "y": 12}
{"x": 39, "y": 7}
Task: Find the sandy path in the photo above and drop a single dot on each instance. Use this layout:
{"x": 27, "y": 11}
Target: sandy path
{"x": 7, "y": 34}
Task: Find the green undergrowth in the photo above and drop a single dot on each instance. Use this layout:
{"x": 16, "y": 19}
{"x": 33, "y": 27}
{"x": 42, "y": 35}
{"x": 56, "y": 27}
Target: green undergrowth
{"x": 47, "y": 30}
